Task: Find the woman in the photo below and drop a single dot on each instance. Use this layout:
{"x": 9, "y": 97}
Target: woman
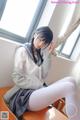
{"x": 31, "y": 66}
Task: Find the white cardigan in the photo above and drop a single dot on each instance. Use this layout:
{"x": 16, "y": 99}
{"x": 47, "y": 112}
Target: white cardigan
{"x": 26, "y": 73}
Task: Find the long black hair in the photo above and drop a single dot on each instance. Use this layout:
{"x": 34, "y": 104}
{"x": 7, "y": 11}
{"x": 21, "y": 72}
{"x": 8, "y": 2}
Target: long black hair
{"x": 47, "y": 35}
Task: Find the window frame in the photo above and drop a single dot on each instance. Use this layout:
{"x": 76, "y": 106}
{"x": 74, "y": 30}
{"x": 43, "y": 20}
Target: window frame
{"x": 62, "y": 46}
{"x": 33, "y": 25}
{"x": 2, "y": 7}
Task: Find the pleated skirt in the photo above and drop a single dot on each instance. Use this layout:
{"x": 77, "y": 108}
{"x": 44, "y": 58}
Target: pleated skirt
{"x": 19, "y": 102}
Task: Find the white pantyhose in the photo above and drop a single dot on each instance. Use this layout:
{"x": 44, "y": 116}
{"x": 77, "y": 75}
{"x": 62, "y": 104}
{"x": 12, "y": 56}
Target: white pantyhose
{"x": 65, "y": 87}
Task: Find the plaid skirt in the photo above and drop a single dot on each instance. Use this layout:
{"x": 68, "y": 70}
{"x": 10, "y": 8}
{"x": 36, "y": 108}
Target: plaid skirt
{"x": 18, "y": 103}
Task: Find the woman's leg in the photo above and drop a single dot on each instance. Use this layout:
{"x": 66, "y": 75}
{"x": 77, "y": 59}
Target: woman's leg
{"x": 43, "y": 97}
{"x": 67, "y": 79}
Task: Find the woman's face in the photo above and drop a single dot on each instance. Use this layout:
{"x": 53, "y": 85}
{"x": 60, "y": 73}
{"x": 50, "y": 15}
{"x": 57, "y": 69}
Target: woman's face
{"x": 39, "y": 43}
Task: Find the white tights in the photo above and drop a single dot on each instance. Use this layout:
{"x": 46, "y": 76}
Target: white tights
{"x": 65, "y": 87}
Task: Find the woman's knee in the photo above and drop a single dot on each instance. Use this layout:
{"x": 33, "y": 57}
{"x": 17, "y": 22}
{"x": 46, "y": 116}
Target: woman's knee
{"x": 71, "y": 80}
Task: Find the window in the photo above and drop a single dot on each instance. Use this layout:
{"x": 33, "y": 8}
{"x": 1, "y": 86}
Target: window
{"x": 72, "y": 44}
{"x": 76, "y": 52}
{"x": 68, "y": 48}
{"x": 19, "y": 16}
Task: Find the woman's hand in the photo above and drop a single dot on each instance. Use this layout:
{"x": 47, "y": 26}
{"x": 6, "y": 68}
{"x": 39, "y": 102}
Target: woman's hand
{"x": 51, "y": 47}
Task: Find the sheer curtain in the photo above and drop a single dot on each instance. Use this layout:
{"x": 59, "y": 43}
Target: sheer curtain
{"x": 68, "y": 18}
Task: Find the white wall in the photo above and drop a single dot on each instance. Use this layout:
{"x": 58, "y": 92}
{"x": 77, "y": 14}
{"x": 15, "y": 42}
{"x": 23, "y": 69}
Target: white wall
{"x": 7, "y": 50}
{"x": 60, "y": 68}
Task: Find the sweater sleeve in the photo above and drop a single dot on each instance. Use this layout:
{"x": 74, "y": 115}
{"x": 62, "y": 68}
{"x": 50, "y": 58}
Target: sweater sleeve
{"x": 46, "y": 64}
{"x": 19, "y": 77}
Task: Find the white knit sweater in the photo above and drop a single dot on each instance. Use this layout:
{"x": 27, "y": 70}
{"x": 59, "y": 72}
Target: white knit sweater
{"x": 26, "y": 73}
